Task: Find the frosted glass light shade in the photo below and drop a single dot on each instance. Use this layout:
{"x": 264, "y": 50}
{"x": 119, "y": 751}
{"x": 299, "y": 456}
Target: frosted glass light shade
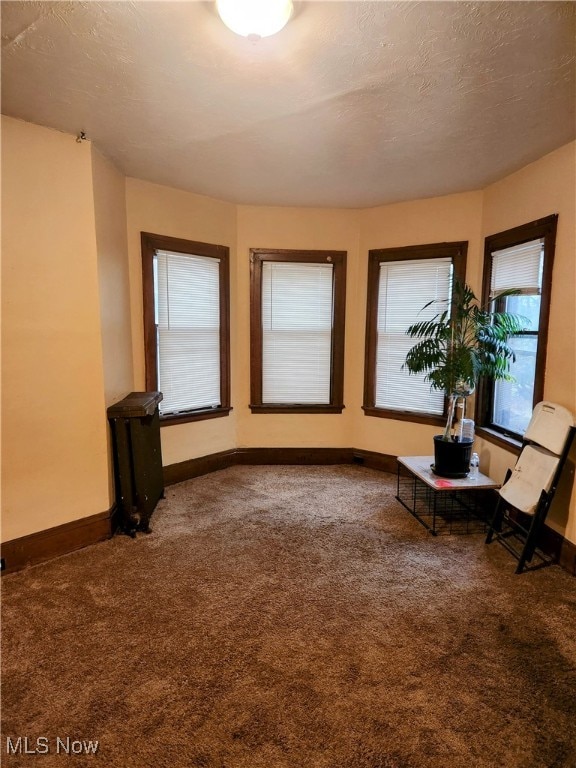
{"x": 257, "y": 18}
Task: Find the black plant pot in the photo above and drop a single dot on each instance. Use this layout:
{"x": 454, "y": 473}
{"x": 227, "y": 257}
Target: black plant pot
{"x": 451, "y": 458}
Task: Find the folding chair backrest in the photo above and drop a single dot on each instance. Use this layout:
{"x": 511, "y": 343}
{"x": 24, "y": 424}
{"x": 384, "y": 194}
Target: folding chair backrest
{"x": 549, "y": 426}
{"x": 535, "y": 470}
{"x": 533, "y": 473}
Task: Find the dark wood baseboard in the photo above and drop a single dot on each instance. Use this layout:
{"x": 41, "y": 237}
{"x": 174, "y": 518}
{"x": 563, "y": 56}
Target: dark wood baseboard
{"x": 45, "y": 545}
{"x": 373, "y": 460}
{"x": 203, "y": 465}
{"x": 60, "y": 540}
{"x": 294, "y": 456}
{"x": 567, "y": 559}
{"x": 560, "y": 549}
{"x": 186, "y": 470}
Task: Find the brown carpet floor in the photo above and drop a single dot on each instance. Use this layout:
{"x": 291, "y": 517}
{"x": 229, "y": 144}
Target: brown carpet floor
{"x": 291, "y": 617}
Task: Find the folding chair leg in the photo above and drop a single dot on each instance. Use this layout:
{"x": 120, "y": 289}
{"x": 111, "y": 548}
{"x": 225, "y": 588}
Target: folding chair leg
{"x": 535, "y": 527}
{"x": 522, "y": 562}
{"x": 496, "y": 524}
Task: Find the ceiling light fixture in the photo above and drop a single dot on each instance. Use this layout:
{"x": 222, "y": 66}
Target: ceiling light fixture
{"x": 255, "y": 18}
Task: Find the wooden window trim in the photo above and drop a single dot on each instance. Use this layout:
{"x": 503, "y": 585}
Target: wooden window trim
{"x": 540, "y": 228}
{"x": 338, "y": 258}
{"x": 510, "y": 444}
{"x": 150, "y": 244}
{"x": 457, "y": 251}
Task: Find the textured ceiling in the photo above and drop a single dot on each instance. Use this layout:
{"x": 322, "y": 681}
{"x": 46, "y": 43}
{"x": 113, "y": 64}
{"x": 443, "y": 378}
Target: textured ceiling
{"x": 353, "y": 104}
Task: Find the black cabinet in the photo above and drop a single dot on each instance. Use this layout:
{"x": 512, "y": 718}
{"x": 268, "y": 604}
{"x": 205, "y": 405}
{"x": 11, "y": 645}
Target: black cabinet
{"x": 135, "y": 425}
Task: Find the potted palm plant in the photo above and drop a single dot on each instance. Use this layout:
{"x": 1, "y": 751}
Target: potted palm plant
{"x": 456, "y": 347}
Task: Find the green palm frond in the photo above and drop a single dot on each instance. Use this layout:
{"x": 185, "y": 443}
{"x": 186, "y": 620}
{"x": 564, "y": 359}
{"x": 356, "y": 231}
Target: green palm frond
{"x": 464, "y": 343}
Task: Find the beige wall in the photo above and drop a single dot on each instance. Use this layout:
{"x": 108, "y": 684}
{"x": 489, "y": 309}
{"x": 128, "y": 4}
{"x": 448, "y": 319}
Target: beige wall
{"x": 64, "y": 237}
{"x": 109, "y": 189}
{"x": 294, "y": 228}
{"x": 542, "y": 188}
{"x": 443, "y": 219}
{"x": 53, "y": 412}
{"x": 175, "y": 213}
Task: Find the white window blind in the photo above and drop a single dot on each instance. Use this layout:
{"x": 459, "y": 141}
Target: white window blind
{"x": 518, "y": 267}
{"x": 513, "y": 400}
{"x": 404, "y": 288}
{"x": 187, "y": 308}
{"x": 296, "y": 332}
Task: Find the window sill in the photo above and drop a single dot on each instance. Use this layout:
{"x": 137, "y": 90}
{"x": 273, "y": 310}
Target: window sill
{"x": 268, "y": 408}
{"x": 497, "y": 438}
{"x": 184, "y": 418}
{"x": 417, "y": 418}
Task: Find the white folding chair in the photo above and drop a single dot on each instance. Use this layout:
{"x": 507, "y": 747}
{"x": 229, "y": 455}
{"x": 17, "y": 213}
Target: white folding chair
{"x": 530, "y": 487}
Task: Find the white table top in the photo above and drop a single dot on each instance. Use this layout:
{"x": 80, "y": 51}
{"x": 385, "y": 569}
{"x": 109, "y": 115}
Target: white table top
{"x": 420, "y": 466}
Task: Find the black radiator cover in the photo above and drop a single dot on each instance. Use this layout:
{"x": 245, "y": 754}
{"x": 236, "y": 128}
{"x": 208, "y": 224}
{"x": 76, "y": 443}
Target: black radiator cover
{"x": 135, "y": 425}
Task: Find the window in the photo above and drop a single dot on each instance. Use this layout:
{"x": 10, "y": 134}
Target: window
{"x": 297, "y": 331}
{"x": 521, "y": 259}
{"x": 186, "y": 327}
{"x": 401, "y": 281}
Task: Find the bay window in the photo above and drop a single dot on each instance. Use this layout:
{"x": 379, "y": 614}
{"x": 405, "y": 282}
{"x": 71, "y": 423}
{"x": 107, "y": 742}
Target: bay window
{"x": 520, "y": 259}
{"x": 297, "y": 331}
{"x": 186, "y": 326}
{"x": 405, "y": 285}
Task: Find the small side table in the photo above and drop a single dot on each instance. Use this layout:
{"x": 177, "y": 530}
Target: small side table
{"x": 441, "y": 504}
